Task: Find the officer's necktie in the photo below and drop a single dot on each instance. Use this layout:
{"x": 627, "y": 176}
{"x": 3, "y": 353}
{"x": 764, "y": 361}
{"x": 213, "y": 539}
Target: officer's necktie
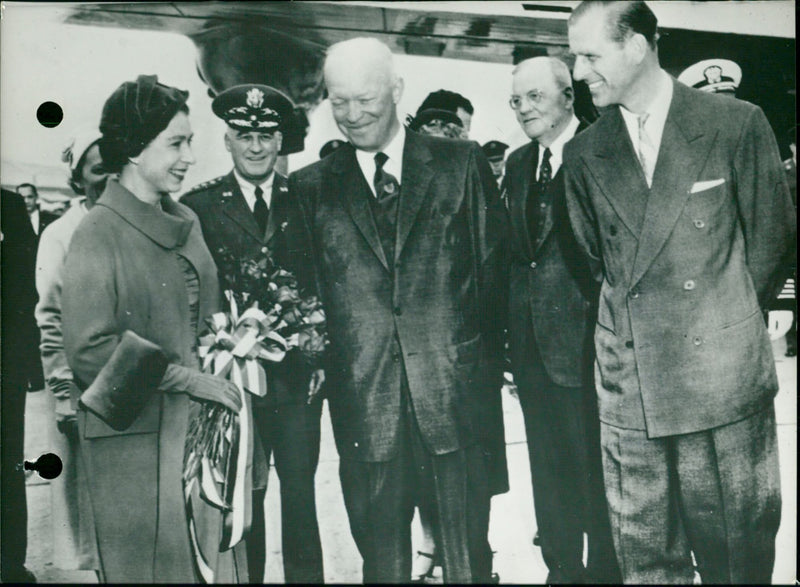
{"x": 645, "y": 150}
{"x": 386, "y": 184}
{"x": 260, "y": 210}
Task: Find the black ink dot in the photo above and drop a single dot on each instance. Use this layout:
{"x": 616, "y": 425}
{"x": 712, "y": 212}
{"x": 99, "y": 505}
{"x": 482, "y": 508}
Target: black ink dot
{"x": 49, "y": 114}
{"x": 48, "y": 466}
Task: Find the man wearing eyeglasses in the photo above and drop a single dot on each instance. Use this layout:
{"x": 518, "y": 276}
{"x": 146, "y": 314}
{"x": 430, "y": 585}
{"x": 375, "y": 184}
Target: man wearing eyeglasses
{"x": 551, "y": 301}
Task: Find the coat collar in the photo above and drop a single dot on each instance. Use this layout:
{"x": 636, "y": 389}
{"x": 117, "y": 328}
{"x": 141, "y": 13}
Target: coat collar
{"x": 685, "y": 146}
{"x": 168, "y": 228}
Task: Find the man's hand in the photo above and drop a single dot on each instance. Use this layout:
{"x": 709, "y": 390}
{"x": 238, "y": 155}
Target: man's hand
{"x": 317, "y": 379}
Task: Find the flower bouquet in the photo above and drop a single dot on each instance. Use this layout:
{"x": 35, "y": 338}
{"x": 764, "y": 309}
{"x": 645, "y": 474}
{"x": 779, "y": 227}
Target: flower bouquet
{"x": 268, "y": 317}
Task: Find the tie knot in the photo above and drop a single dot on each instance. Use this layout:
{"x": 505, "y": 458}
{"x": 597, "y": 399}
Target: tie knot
{"x": 380, "y": 159}
{"x": 259, "y": 192}
{"x": 546, "y": 156}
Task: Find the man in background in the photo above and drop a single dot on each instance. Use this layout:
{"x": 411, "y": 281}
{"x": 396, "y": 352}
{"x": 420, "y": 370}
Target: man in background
{"x": 495, "y": 152}
{"x": 241, "y": 213}
{"x": 552, "y": 300}
{"x": 39, "y": 218}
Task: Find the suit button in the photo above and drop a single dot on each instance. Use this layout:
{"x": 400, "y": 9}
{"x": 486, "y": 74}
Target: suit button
{"x": 689, "y": 285}
{"x": 628, "y": 344}
{"x": 699, "y": 223}
{"x": 533, "y": 264}
{"x": 355, "y": 444}
{"x": 264, "y": 250}
{"x": 398, "y": 311}
{"x": 697, "y": 341}
{"x": 634, "y": 293}
{"x": 396, "y": 357}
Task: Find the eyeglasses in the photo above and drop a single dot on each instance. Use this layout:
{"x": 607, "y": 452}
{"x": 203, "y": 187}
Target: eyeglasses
{"x": 532, "y": 97}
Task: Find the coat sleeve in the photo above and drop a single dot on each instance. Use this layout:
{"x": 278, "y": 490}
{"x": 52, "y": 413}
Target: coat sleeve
{"x": 765, "y": 206}
{"x": 49, "y": 265}
{"x": 581, "y": 214}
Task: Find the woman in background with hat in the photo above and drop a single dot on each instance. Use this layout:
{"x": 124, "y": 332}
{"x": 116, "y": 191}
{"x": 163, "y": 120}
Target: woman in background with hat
{"x": 74, "y": 542}
{"x": 138, "y": 281}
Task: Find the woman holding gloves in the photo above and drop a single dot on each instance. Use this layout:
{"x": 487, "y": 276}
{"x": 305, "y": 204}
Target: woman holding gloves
{"x": 138, "y": 282}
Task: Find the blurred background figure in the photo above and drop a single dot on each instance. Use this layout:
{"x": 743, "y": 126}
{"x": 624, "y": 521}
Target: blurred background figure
{"x": 21, "y": 372}
{"x": 436, "y": 122}
{"x": 495, "y": 152}
{"x": 39, "y": 218}
{"x": 717, "y": 76}
{"x": 74, "y": 540}
{"x": 452, "y": 102}
{"x": 330, "y": 147}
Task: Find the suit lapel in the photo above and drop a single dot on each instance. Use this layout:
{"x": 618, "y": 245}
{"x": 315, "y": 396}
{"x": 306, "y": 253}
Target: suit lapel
{"x": 352, "y": 187}
{"x": 685, "y": 146}
{"x": 417, "y": 175}
{"x": 237, "y": 210}
{"x": 614, "y": 166}
{"x": 276, "y": 209}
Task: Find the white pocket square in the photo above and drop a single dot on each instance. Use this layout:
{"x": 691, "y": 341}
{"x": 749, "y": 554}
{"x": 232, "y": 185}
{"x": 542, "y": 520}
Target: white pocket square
{"x": 701, "y": 186}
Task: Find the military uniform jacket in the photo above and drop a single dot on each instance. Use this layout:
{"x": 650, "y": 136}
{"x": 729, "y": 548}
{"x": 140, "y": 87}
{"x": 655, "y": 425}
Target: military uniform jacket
{"x": 686, "y": 265}
{"x": 227, "y": 222}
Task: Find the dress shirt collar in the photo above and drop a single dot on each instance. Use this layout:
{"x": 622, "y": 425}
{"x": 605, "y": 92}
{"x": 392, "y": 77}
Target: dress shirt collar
{"x": 249, "y": 190}
{"x": 394, "y": 165}
{"x": 657, "y": 111}
{"x": 557, "y": 147}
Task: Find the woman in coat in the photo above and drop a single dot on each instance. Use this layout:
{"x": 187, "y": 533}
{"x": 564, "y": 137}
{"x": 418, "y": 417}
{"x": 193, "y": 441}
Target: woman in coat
{"x": 138, "y": 281}
{"x": 74, "y": 542}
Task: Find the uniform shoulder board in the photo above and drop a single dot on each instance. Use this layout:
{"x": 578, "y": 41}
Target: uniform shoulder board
{"x": 205, "y": 185}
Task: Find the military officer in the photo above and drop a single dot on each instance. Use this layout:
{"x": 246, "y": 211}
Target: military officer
{"x": 241, "y": 213}
{"x": 495, "y": 152}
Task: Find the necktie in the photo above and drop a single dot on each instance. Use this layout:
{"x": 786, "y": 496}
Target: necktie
{"x": 260, "y": 210}
{"x": 386, "y": 184}
{"x": 537, "y": 195}
{"x": 545, "y": 171}
{"x": 645, "y": 150}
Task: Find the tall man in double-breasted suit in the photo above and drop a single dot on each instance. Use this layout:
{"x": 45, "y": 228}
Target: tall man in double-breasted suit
{"x": 679, "y": 198}
{"x": 551, "y": 306}
{"x": 241, "y": 213}
{"x": 399, "y": 228}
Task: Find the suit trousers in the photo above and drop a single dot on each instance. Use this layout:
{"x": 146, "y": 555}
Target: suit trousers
{"x": 714, "y": 492}
{"x": 14, "y": 509}
{"x": 563, "y": 433}
{"x": 380, "y": 499}
{"x": 292, "y": 433}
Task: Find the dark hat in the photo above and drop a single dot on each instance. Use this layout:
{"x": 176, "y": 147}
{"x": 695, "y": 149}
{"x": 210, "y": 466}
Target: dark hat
{"x": 494, "y": 149}
{"x": 427, "y": 115}
{"x": 253, "y": 107}
{"x": 445, "y": 100}
{"x": 712, "y": 75}
{"x": 330, "y": 147}
{"x": 134, "y": 115}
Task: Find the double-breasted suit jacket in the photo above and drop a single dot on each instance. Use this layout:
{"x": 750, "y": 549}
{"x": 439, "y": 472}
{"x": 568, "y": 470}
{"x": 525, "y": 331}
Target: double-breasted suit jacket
{"x": 417, "y": 315}
{"x": 228, "y": 223}
{"x": 550, "y": 284}
{"x": 686, "y": 264}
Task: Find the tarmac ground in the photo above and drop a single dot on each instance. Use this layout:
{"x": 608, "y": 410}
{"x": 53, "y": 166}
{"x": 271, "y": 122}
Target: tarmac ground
{"x": 512, "y": 523}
